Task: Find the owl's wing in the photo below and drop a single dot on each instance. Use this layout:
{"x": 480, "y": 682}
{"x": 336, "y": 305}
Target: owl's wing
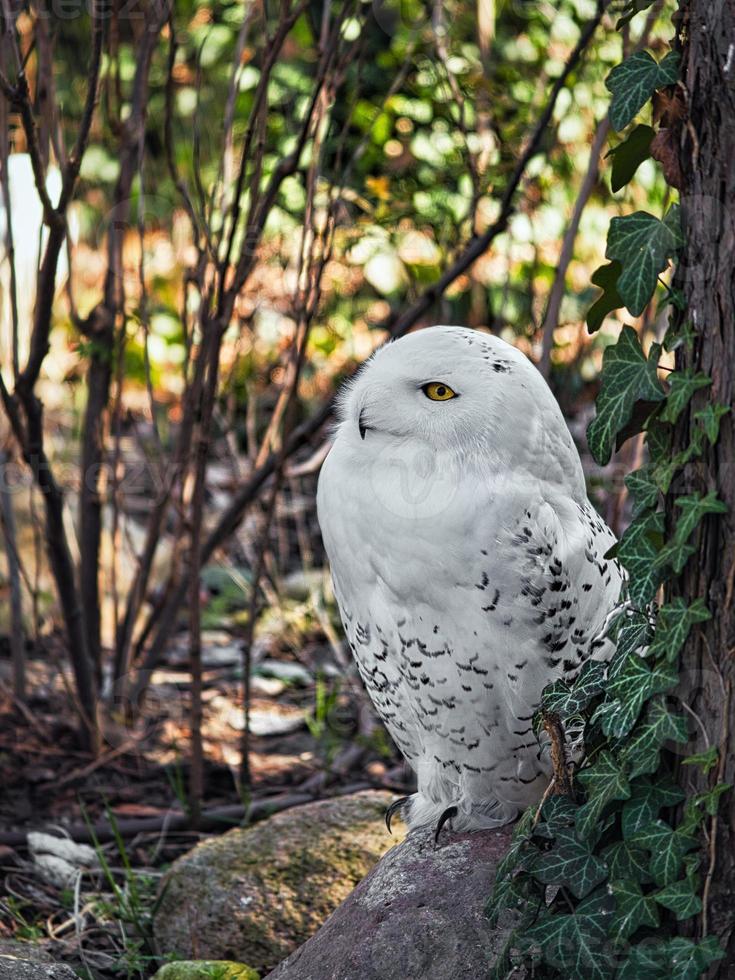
{"x": 560, "y": 598}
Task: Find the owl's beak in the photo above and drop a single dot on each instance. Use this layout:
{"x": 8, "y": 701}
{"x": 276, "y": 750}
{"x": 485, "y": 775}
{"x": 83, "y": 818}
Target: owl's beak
{"x": 361, "y": 424}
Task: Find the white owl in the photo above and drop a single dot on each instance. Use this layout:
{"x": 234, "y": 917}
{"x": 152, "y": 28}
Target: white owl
{"x": 467, "y": 564}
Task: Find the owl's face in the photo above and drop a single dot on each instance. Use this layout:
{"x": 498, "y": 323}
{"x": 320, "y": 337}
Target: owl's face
{"x": 448, "y": 388}
{"x": 441, "y": 409}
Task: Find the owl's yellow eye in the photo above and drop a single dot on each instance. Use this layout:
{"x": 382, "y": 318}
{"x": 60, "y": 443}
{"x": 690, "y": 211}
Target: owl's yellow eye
{"x": 437, "y": 391}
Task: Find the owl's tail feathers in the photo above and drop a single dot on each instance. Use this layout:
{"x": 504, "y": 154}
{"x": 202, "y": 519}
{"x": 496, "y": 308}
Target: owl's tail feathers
{"x": 460, "y": 814}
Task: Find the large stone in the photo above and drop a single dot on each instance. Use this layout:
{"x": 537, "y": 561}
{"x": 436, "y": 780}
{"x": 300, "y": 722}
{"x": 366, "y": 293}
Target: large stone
{"x": 254, "y": 895}
{"x": 419, "y": 915}
{"x": 24, "y": 961}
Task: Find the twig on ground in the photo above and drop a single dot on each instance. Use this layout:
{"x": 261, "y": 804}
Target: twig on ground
{"x": 214, "y": 819}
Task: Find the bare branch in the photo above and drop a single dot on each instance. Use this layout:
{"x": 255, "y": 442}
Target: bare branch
{"x": 551, "y": 318}
{"x": 480, "y": 243}
{"x": 231, "y": 517}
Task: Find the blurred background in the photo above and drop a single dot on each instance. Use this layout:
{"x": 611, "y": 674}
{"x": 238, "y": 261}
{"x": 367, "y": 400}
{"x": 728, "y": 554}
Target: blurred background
{"x": 211, "y": 214}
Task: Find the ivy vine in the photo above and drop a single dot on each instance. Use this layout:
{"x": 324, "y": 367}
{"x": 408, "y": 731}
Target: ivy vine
{"x": 599, "y": 881}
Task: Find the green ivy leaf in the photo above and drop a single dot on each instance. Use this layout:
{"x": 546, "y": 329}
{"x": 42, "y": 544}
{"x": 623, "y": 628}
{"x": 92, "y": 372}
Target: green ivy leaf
{"x": 665, "y": 468}
{"x": 570, "y": 863}
{"x": 637, "y": 682}
{"x": 646, "y": 801}
{"x": 642, "y": 413}
{"x": 646, "y": 962}
{"x": 627, "y": 377}
{"x": 691, "y": 866}
{"x": 628, "y": 692}
{"x": 637, "y": 551}
{"x": 710, "y": 799}
{"x": 629, "y": 155}
{"x": 683, "y": 385}
{"x": 633, "y": 909}
{"x": 680, "y": 898}
{"x": 576, "y": 943}
{"x": 642, "y": 489}
{"x": 675, "y": 959}
{"x": 508, "y": 894}
{"x": 606, "y": 277}
{"x": 684, "y": 334}
{"x": 603, "y": 781}
{"x": 694, "y": 508}
{"x": 694, "y": 815}
{"x": 641, "y": 752}
{"x": 567, "y": 700}
{"x": 557, "y": 813}
{"x": 642, "y": 244}
{"x": 690, "y": 960}
{"x": 633, "y": 82}
{"x": 632, "y": 631}
{"x": 710, "y": 417}
{"x": 630, "y": 9}
{"x": 626, "y": 860}
{"x": 667, "y": 848}
{"x": 707, "y": 759}
{"x": 675, "y": 556}
{"x": 519, "y": 842}
{"x": 673, "y": 625}
{"x": 658, "y": 438}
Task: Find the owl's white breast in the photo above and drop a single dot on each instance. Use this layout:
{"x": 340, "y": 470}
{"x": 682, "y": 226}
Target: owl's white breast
{"x": 397, "y": 516}
{"x": 404, "y": 518}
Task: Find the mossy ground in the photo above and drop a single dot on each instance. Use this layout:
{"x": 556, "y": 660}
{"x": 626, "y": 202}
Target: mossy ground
{"x": 206, "y": 970}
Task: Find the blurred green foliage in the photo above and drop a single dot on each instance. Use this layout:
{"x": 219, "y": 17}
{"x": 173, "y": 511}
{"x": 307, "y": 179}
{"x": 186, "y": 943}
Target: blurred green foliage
{"x": 431, "y": 119}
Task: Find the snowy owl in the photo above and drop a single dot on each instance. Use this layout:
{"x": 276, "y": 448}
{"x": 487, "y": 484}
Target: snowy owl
{"x": 468, "y": 564}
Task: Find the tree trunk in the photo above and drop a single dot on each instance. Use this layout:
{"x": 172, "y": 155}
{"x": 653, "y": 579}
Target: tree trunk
{"x": 101, "y": 334}
{"x": 17, "y": 643}
{"x": 707, "y": 277}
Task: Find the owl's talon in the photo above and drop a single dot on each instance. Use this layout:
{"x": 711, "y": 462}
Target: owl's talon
{"x": 396, "y": 805}
{"x": 451, "y": 811}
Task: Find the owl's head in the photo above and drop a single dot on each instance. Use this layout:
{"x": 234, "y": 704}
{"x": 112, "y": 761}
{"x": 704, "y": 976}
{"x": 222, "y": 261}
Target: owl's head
{"x": 452, "y": 388}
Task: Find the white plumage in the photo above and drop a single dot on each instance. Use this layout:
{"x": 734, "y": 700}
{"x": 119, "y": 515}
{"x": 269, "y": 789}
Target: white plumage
{"x": 467, "y": 563}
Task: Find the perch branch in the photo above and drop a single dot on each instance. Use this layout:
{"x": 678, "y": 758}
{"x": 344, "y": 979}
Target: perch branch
{"x": 562, "y": 782}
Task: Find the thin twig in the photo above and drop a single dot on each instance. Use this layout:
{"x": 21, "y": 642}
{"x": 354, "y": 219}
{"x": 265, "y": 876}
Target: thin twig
{"x": 551, "y": 317}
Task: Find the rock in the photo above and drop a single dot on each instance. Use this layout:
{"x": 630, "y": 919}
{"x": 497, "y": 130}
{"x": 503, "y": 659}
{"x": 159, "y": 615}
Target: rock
{"x": 275, "y": 719}
{"x": 271, "y": 687}
{"x": 206, "y": 970}
{"x": 266, "y": 718}
{"x": 229, "y": 656}
{"x": 58, "y": 859}
{"x": 24, "y": 961}
{"x": 218, "y": 650}
{"x": 418, "y": 915}
{"x": 287, "y": 671}
{"x": 254, "y": 895}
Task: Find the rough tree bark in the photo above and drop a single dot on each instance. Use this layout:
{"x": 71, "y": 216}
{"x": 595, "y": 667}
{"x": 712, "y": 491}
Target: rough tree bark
{"x": 707, "y": 276}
